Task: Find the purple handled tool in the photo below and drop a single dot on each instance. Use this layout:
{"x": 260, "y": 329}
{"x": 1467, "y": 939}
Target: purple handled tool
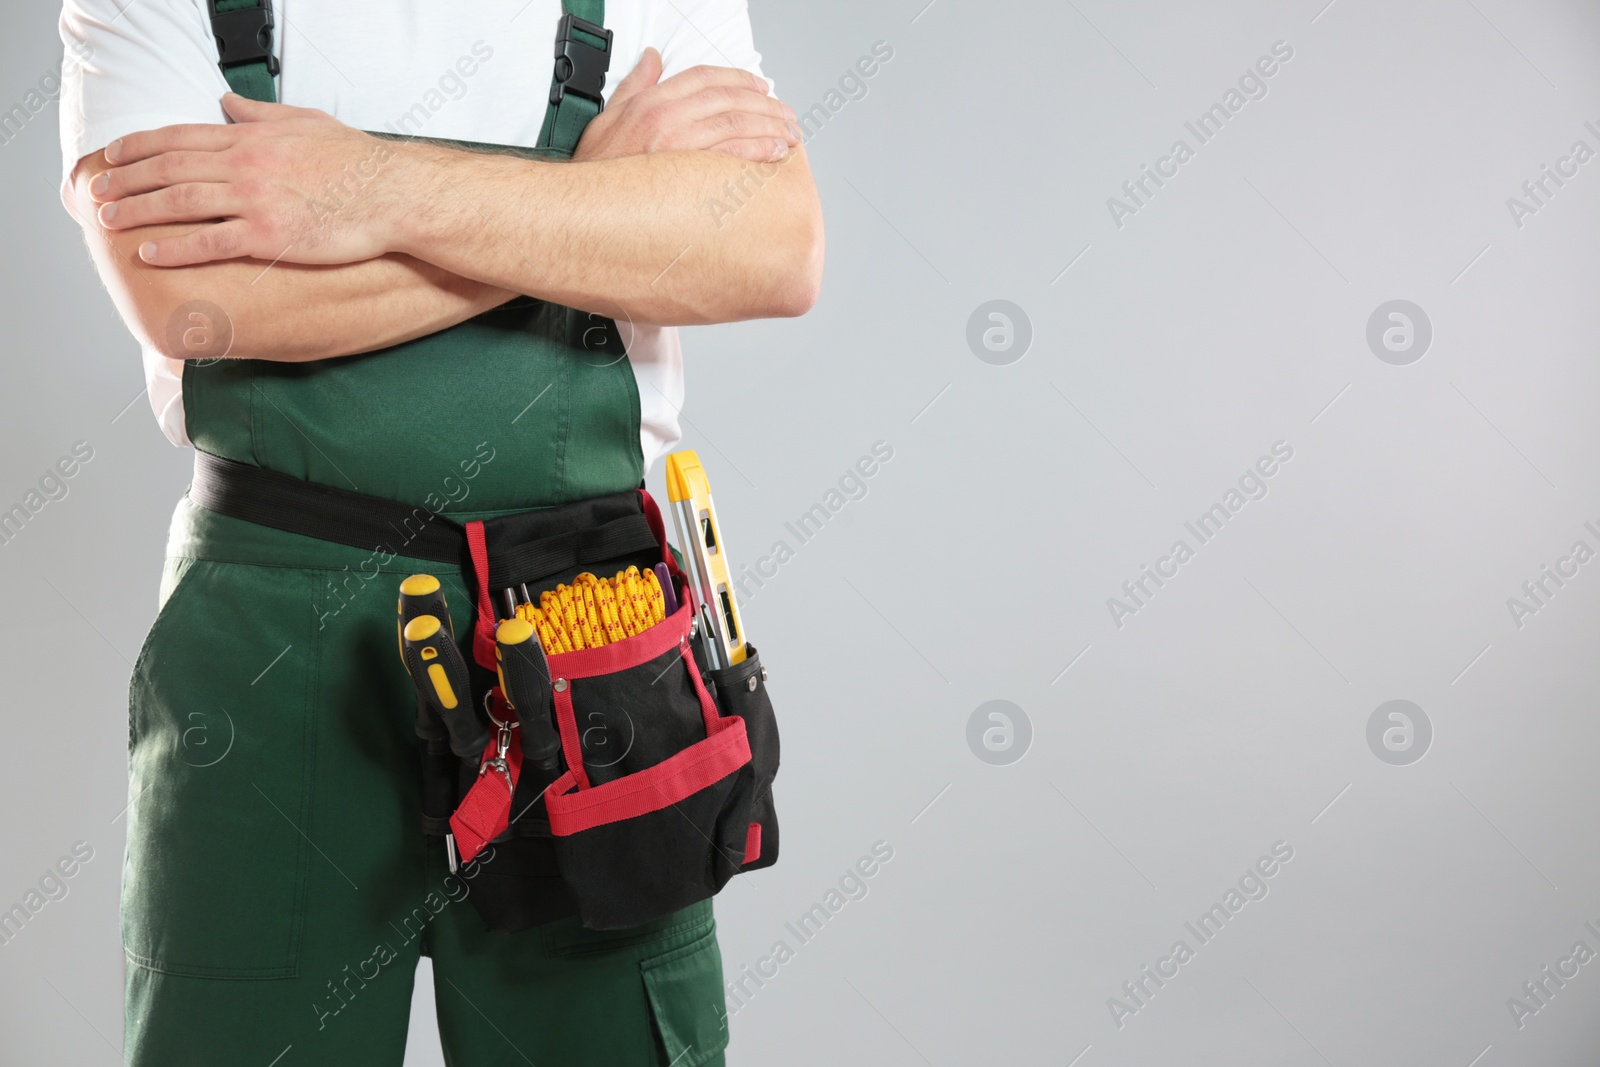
{"x": 670, "y": 595}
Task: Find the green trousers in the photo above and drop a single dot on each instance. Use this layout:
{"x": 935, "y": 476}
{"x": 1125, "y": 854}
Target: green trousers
{"x": 277, "y": 890}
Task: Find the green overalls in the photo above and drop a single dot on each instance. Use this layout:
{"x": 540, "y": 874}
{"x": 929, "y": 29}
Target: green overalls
{"x": 278, "y": 889}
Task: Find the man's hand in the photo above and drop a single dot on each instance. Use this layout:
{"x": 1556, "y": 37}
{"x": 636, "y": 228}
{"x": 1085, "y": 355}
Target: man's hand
{"x": 722, "y": 109}
{"x": 279, "y": 183}
{"x": 283, "y": 311}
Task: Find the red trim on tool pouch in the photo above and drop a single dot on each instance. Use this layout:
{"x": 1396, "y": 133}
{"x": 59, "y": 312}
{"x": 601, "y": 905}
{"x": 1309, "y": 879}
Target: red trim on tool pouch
{"x": 708, "y": 703}
{"x": 752, "y": 843}
{"x": 483, "y": 633}
{"x": 673, "y": 780}
{"x": 571, "y": 742}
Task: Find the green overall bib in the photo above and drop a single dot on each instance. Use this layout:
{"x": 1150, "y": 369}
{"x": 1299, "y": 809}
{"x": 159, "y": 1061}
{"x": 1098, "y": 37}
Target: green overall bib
{"x": 277, "y": 888}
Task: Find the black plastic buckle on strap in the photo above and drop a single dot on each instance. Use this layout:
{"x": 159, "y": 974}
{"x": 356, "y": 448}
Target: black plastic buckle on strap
{"x": 244, "y": 35}
{"x": 580, "y": 66}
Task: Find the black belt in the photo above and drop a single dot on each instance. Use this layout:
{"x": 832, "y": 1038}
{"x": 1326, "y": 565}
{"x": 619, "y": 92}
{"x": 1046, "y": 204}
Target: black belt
{"x": 523, "y": 548}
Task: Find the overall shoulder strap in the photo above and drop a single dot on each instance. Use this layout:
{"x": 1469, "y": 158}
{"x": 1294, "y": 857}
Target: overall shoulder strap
{"x": 583, "y": 56}
{"x": 243, "y": 29}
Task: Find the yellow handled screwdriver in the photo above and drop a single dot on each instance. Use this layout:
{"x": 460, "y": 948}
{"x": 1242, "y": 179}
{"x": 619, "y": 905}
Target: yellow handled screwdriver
{"x": 700, "y": 535}
{"x": 421, "y": 594}
{"x": 440, "y": 675}
{"x": 525, "y": 680}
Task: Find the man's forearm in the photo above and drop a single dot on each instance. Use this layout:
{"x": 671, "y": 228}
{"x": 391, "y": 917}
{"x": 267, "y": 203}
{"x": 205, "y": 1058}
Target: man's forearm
{"x": 671, "y": 238}
{"x": 286, "y": 311}
{"x": 294, "y": 313}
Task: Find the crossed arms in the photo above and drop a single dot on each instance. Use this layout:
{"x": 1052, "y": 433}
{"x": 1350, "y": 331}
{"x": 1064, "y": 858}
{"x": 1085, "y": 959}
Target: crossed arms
{"x": 425, "y": 236}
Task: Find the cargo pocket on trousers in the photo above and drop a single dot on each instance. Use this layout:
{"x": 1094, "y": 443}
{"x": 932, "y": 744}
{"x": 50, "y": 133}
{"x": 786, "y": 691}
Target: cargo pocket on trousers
{"x": 684, "y": 987}
{"x": 219, "y": 751}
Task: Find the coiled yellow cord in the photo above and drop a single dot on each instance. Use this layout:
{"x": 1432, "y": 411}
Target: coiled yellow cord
{"x": 592, "y": 611}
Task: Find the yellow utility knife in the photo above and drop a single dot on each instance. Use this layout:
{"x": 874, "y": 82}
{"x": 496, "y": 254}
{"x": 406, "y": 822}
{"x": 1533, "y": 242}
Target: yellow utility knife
{"x": 700, "y": 535}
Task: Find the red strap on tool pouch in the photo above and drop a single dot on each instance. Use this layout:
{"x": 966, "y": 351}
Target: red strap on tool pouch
{"x": 652, "y": 515}
{"x": 485, "y": 811}
{"x": 483, "y": 645}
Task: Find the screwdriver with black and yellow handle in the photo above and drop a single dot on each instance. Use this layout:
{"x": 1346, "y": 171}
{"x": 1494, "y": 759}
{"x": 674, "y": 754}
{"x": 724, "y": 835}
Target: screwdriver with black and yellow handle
{"x": 440, "y": 674}
{"x": 525, "y": 680}
{"x": 421, "y": 594}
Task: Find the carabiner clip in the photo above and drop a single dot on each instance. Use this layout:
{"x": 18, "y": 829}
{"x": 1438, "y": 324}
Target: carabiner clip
{"x": 502, "y": 745}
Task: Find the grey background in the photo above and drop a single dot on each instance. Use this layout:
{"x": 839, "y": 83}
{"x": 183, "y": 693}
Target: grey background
{"x": 1167, "y": 755}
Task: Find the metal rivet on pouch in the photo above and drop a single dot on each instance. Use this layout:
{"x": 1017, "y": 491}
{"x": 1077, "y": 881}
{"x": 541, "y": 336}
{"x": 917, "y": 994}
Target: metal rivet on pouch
{"x": 750, "y": 683}
{"x": 763, "y": 674}
{"x": 561, "y": 685}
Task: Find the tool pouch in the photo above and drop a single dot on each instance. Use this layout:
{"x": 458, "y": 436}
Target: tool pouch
{"x": 665, "y": 785}
{"x": 666, "y": 824}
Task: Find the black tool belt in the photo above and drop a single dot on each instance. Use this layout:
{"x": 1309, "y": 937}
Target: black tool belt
{"x": 663, "y": 788}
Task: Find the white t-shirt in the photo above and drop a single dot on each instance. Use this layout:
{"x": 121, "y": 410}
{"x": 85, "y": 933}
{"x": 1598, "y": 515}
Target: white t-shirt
{"x": 383, "y": 65}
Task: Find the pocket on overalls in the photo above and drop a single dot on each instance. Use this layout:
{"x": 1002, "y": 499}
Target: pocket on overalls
{"x": 684, "y": 987}
{"x": 661, "y": 819}
{"x": 219, "y": 746}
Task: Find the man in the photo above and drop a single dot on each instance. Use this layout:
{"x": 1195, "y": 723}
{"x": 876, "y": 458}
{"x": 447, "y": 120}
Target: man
{"x": 388, "y": 315}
